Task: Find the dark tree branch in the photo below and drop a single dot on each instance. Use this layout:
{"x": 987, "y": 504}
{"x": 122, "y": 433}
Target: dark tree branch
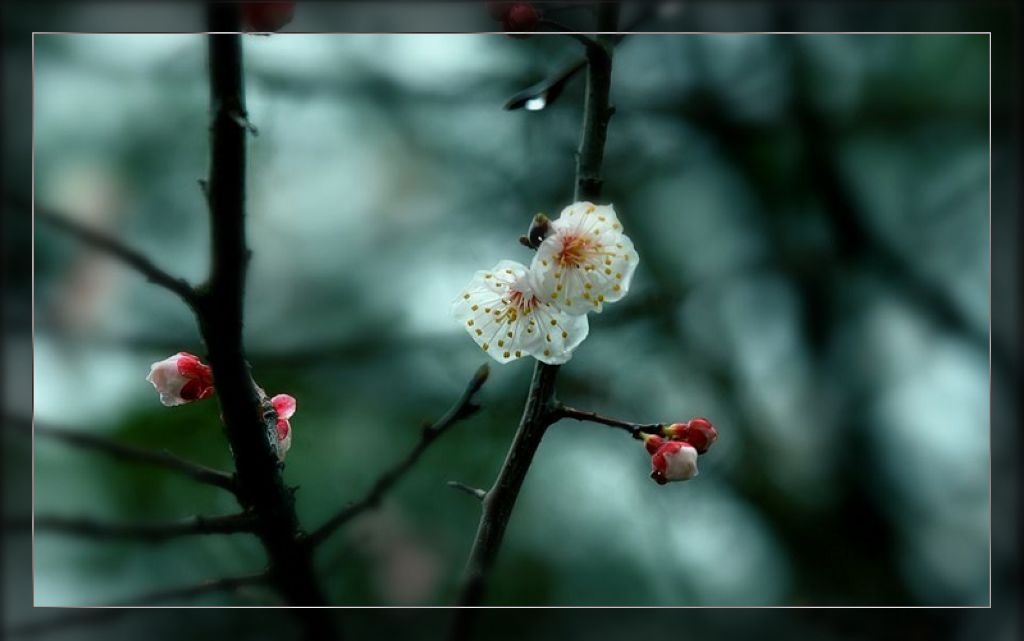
{"x": 163, "y": 459}
{"x": 33, "y": 629}
{"x": 110, "y": 245}
{"x": 501, "y": 498}
{"x": 248, "y": 417}
{"x": 541, "y": 406}
{"x": 462, "y": 409}
{"x": 150, "y": 532}
{"x": 635, "y": 429}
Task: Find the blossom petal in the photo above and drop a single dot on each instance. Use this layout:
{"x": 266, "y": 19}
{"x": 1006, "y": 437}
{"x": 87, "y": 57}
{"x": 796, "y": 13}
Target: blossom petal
{"x": 284, "y": 437}
{"x": 503, "y": 313}
{"x": 168, "y": 381}
{"x": 559, "y": 334}
{"x": 284, "y": 405}
{"x": 675, "y": 461}
{"x": 586, "y": 261}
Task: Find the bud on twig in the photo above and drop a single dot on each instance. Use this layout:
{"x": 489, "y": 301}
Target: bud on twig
{"x": 515, "y": 16}
{"x": 266, "y": 17}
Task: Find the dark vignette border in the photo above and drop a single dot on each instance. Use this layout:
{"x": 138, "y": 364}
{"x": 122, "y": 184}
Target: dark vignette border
{"x": 1003, "y": 18}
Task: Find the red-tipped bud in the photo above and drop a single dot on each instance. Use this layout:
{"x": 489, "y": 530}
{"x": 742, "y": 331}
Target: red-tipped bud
{"x": 264, "y": 17}
{"x": 651, "y": 442}
{"x": 674, "y": 461}
{"x": 521, "y": 16}
{"x": 698, "y": 432}
{"x": 701, "y": 434}
{"x": 181, "y": 379}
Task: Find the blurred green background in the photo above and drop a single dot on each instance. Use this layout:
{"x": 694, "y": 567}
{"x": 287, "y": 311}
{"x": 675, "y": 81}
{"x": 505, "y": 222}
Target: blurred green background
{"x": 811, "y": 218}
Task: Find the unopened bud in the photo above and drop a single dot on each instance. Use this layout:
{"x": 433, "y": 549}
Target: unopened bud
{"x": 698, "y": 432}
{"x": 522, "y": 16}
{"x": 651, "y": 442}
{"x": 265, "y": 17}
{"x": 674, "y": 461}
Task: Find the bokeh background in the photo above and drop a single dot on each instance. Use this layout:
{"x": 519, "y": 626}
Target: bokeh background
{"x": 902, "y": 96}
{"x": 811, "y": 214}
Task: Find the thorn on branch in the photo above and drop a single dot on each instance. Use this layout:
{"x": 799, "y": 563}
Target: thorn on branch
{"x": 244, "y": 122}
{"x": 475, "y": 492}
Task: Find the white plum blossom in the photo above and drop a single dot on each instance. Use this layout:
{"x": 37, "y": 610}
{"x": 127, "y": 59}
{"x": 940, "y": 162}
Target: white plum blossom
{"x": 181, "y": 379}
{"x": 503, "y": 311}
{"x": 586, "y": 260}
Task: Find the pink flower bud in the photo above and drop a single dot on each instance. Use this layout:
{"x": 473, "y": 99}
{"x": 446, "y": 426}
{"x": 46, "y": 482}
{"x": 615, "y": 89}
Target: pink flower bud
{"x": 264, "y": 17}
{"x": 284, "y": 406}
{"x": 674, "y": 461}
{"x": 521, "y": 16}
{"x": 698, "y": 432}
{"x": 181, "y": 379}
{"x": 652, "y": 442}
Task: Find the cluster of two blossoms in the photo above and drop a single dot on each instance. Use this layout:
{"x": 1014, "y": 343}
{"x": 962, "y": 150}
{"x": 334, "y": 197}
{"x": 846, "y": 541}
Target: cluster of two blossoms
{"x": 584, "y": 260}
{"x": 183, "y": 378}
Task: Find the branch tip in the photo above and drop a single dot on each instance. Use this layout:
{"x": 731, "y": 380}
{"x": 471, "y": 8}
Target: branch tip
{"x": 475, "y": 492}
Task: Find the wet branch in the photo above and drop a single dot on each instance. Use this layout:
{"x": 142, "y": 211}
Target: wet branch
{"x": 110, "y": 245}
{"x": 462, "y": 409}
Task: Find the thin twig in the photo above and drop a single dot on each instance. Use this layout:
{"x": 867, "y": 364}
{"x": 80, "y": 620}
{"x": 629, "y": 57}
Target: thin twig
{"x": 32, "y": 629}
{"x": 462, "y": 409}
{"x": 635, "y": 429}
{"x": 150, "y": 532}
{"x": 162, "y": 459}
{"x": 475, "y": 492}
{"x": 549, "y": 89}
{"x": 110, "y": 245}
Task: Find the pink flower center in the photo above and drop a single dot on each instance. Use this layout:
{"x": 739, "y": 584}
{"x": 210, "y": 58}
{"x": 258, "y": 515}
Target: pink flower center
{"x": 522, "y": 302}
{"x": 574, "y": 250}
